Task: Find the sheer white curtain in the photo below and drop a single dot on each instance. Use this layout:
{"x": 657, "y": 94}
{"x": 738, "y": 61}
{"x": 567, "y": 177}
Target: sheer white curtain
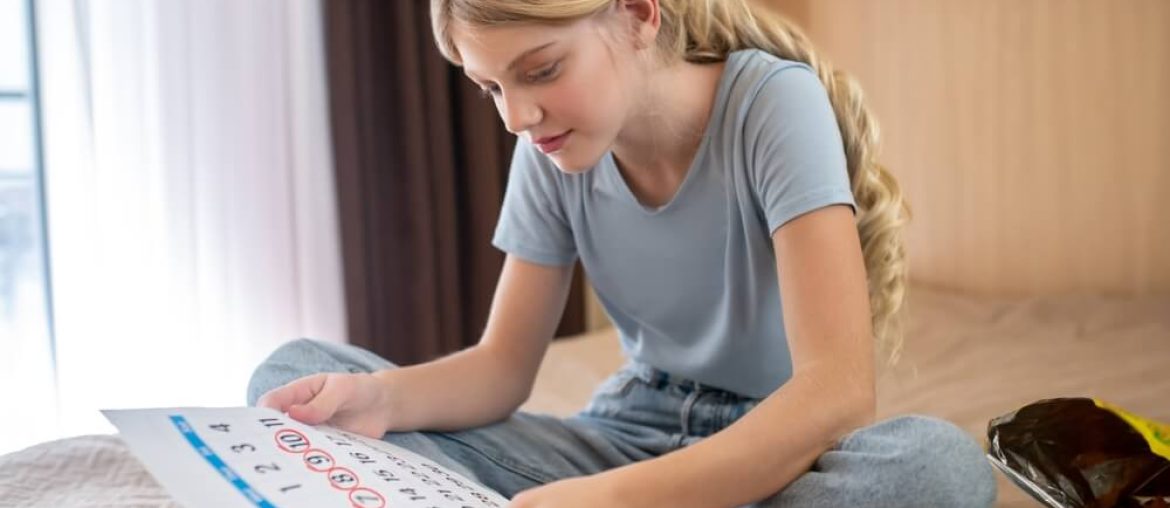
{"x": 191, "y": 214}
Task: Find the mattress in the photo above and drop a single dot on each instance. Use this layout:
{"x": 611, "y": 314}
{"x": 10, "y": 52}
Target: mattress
{"x": 967, "y": 359}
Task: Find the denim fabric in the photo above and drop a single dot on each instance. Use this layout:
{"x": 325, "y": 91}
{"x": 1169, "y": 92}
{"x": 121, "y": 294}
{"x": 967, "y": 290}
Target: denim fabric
{"x": 641, "y": 412}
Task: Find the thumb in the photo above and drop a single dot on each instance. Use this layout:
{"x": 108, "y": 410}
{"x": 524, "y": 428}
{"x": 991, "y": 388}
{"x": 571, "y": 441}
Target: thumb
{"x": 322, "y": 405}
{"x": 298, "y": 391}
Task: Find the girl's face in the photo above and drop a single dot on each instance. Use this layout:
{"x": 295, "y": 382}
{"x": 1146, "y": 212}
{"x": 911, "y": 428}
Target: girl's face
{"x": 563, "y": 88}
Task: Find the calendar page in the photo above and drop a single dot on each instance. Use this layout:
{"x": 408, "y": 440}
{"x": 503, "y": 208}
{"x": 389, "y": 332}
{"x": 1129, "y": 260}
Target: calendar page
{"x": 258, "y": 457}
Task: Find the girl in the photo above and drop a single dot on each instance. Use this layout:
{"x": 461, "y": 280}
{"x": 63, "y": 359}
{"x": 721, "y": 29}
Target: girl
{"x": 706, "y": 168}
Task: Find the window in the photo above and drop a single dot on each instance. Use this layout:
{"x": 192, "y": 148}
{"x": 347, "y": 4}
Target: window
{"x": 26, "y": 346}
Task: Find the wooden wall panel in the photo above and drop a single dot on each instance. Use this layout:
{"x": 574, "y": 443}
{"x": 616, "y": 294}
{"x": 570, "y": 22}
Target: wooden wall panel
{"x": 1032, "y": 136}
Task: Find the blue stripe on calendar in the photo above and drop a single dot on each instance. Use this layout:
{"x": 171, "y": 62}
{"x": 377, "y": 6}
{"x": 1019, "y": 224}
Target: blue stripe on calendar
{"x": 218, "y": 464}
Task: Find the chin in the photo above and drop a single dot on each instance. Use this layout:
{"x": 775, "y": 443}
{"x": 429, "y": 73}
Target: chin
{"x": 572, "y": 163}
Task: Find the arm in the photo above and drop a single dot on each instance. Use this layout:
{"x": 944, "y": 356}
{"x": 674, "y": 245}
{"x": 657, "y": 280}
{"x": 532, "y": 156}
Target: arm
{"x": 488, "y": 381}
{"x": 476, "y": 386}
{"x": 827, "y": 320}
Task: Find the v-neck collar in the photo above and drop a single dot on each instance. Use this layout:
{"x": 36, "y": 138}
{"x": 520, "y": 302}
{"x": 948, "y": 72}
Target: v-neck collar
{"x": 697, "y": 162}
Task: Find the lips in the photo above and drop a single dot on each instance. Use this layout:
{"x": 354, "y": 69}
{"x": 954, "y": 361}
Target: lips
{"x": 551, "y": 144}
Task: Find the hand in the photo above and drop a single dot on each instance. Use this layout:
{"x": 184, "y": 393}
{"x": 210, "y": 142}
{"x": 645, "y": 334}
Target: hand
{"x": 582, "y": 492}
{"x": 353, "y": 402}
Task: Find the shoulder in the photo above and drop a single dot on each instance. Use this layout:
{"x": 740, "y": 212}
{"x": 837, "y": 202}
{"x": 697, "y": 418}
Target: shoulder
{"x": 758, "y": 59}
{"x": 754, "y": 73}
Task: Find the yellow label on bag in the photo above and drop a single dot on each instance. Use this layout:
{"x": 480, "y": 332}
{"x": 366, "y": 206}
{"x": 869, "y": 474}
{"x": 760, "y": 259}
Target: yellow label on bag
{"x": 1156, "y": 434}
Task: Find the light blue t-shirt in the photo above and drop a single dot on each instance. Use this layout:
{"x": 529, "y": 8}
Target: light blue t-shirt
{"x": 691, "y": 286}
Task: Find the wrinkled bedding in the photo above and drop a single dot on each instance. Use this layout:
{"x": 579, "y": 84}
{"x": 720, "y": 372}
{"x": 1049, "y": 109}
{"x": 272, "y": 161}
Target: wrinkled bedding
{"x": 80, "y": 471}
{"x": 966, "y": 359}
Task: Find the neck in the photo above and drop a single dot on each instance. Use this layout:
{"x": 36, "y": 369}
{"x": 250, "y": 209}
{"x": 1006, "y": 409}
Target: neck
{"x": 656, "y": 145}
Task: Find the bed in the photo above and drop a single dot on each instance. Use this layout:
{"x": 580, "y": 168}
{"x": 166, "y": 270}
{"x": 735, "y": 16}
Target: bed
{"x": 967, "y": 359}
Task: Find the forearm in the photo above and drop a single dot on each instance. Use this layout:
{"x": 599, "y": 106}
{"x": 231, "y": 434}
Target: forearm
{"x": 757, "y": 456}
{"x": 466, "y": 389}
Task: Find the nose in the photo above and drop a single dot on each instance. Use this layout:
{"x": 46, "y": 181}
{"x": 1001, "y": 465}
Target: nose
{"x": 519, "y": 112}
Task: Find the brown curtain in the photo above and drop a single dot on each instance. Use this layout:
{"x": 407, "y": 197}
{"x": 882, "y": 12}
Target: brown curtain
{"x": 421, "y": 163}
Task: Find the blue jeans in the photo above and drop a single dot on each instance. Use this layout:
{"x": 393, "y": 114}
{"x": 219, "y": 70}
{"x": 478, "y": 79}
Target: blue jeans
{"x": 641, "y": 412}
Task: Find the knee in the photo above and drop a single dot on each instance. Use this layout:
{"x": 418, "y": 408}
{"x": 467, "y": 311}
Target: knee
{"x": 938, "y": 463}
{"x": 284, "y": 364}
{"x": 302, "y": 357}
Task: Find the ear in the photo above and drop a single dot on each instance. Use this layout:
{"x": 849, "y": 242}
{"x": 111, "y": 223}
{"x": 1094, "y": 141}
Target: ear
{"x": 645, "y": 18}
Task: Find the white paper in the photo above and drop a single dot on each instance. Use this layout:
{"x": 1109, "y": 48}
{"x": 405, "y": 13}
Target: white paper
{"x": 258, "y": 457}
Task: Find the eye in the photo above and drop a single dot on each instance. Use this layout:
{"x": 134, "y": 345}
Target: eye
{"x": 545, "y": 73}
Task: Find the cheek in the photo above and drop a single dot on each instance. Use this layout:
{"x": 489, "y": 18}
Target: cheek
{"x": 592, "y": 105}
{"x": 570, "y": 106}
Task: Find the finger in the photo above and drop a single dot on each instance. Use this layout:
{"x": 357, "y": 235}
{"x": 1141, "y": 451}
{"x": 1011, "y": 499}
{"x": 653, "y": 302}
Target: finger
{"x": 298, "y": 391}
{"x": 321, "y": 407}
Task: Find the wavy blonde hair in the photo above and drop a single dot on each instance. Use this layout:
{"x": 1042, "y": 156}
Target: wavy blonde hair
{"x": 706, "y": 31}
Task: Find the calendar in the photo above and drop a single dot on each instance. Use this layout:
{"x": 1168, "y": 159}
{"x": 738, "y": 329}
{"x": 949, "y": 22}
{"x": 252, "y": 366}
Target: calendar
{"x": 258, "y": 457}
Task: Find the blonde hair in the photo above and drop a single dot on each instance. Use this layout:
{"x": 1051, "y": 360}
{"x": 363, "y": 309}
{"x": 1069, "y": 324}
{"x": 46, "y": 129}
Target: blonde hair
{"x": 706, "y": 31}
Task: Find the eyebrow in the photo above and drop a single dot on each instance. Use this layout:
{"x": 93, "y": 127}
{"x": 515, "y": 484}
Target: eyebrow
{"x": 521, "y": 56}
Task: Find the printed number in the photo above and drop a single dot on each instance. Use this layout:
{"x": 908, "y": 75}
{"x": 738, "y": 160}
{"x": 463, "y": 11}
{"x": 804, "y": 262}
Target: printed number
{"x": 426, "y": 480}
{"x": 387, "y": 475}
{"x": 414, "y": 495}
{"x": 271, "y": 422}
{"x": 482, "y": 498}
{"x": 363, "y": 458}
{"x": 264, "y": 468}
{"x": 450, "y": 496}
{"x": 318, "y": 460}
{"x": 222, "y": 427}
{"x": 362, "y": 497}
{"x": 342, "y": 478}
{"x": 243, "y": 446}
{"x": 291, "y": 441}
{"x": 338, "y": 441}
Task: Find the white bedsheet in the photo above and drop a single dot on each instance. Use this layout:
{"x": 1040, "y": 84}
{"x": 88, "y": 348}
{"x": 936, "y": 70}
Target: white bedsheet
{"x": 80, "y": 471}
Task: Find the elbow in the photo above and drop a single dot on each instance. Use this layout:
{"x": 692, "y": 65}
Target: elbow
{"x": 864, "y": 411}
{"x": 853, "y": 404}
{"x": 860, "y": 408}
{"x": 512, "y": 382}
{"x": 860, "y": 387}
{"x": 857, "y": 401}
{"x": 519, "y": 397}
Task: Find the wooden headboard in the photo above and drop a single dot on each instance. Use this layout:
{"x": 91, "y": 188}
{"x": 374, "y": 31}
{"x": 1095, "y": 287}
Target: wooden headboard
{"x": 1031, "y": 137}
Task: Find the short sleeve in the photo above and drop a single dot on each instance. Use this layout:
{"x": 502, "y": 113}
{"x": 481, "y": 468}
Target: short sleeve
{"x": 533, "y": 224}
{"x": 794, "y": 147}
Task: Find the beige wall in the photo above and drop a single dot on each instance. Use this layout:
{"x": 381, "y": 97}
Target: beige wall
{"x": 1032, "y": 137}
